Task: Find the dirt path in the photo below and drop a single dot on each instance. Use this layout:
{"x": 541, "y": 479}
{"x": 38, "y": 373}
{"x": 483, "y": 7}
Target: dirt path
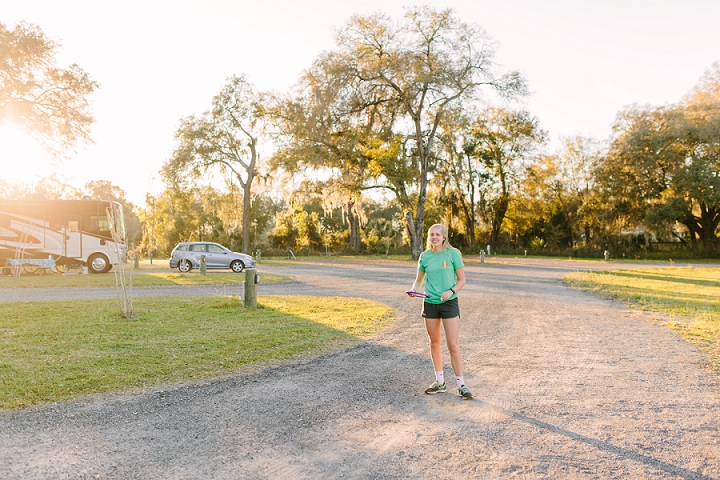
{"x": 567, "y": 385}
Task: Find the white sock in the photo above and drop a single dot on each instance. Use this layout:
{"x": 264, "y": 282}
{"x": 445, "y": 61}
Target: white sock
{"x": 440, "y": 377}
{"x": 460, "y": 381}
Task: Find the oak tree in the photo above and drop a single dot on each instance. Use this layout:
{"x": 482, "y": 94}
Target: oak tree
{"x": 223, "y": 139}
{"x": 413, "y": 71}
{"x": 320, "y": 133}
{"x": 503, "y": 141}
{"x": 663, "y": 165}
{"x": 49, "y": 102}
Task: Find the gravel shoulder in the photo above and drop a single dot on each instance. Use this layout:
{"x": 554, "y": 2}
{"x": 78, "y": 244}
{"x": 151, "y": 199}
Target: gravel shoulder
{"x": 567, "y": 385}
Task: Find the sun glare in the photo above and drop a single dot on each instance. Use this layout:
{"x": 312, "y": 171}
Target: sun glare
{"x": 22, "y": 159}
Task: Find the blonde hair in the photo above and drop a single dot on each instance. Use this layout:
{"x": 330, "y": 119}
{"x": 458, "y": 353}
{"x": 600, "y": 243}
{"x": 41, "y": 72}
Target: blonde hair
{"x": 443, "y": 231}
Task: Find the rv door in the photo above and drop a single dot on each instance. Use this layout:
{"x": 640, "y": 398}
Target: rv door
{"x": 73, "y": 237}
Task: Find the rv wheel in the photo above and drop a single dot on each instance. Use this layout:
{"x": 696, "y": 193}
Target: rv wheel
{"x": 31, "y": 269}
{"x": 98, "y": 263}
{"x": 60, "y": 268}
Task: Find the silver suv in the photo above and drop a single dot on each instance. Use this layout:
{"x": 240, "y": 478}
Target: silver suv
{"x": 186, "y": 256}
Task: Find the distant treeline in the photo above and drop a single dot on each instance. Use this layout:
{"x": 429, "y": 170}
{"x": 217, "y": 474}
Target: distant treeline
{"x": 409, "y": 122}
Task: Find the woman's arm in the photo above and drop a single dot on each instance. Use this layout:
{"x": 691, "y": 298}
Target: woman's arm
{"x": 460, "y": 274}
{"x": 418, "y": 281}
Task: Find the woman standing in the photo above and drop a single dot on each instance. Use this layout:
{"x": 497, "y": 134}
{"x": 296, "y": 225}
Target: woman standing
{"x": 442, "y": 269}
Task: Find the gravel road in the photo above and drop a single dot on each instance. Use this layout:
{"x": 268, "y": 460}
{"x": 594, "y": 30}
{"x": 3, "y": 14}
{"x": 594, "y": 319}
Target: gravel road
{"x": 567, "y": 385}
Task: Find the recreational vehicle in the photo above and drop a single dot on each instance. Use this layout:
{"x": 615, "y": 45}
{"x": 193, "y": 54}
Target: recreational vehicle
{"x": 71, "y": 232}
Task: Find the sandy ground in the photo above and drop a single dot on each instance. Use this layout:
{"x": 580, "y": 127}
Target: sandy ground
{"x": 567, "y": 385}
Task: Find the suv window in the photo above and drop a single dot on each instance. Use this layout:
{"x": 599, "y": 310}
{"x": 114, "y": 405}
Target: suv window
{"x": 199, "y": 248}
{"x": 215, "y": 249}
{"x": 181, "y": 248}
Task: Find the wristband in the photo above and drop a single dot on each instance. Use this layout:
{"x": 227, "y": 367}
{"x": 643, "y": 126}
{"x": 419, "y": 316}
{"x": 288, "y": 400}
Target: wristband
{"x": 454, "y": 292}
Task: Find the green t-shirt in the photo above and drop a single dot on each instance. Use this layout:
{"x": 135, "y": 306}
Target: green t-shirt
{"x": 439, "y": 271}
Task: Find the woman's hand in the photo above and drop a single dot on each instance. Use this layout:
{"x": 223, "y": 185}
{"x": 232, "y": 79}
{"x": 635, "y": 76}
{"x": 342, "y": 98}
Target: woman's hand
{"x": 445, "y": 295}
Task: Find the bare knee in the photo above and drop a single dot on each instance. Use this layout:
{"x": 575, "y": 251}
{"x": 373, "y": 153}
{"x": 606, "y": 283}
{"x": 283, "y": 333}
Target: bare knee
{"x": 453, "y": 347}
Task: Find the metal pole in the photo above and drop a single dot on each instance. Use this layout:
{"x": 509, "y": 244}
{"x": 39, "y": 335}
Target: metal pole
{"x": 251, "y": 278}
{"x": 482, "y": 256}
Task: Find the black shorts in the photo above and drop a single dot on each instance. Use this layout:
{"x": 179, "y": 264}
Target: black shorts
{"x": 449, "y": 309}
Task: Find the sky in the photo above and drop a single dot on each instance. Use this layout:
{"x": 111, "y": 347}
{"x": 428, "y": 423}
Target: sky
{"x": 159, "y": 61}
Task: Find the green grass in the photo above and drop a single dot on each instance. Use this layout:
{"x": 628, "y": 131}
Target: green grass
{"x": 59, "y": 350}
{"x": 158, "y": 263}
{"x": 138, "y": 280}
{"x": 690, "y": 295}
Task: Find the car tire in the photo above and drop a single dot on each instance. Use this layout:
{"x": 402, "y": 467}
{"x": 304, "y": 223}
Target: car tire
{"x": 184, "y": 266}
{"x": 237, "y": 266}
{"x": 98, "y": 263}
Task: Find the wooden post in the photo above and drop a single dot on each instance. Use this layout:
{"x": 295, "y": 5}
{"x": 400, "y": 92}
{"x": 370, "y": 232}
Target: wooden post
{"x": 250, "y": 289}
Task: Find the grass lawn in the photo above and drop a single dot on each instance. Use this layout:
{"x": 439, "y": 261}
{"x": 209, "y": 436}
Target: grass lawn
{"x": 138, "y": 280}
{"x": 59, "y": 350}
{"x": 691, "y": 295}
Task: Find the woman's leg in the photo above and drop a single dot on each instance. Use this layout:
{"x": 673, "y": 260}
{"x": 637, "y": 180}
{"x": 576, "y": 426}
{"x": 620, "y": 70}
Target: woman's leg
{"x": 432, "y": 325}
{"x": 452, "y": 336}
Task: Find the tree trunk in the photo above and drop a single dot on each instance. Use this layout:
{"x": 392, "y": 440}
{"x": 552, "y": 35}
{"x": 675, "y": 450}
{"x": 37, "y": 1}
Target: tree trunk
{"x": 498, "y": 217}
{"x": 587, "y": 234}
{"x": 246, "y": 218}
{"x": 353, "y": 226}
{"x": 469, "y": 222}
{"x": 416, "y": 238}
{"x": 247, "y": 187}
{"x": 423, "y": 152}
{"x": 691, "y": 223}
{"x": 412, "y": 234}
{"x": 708, "y": 223}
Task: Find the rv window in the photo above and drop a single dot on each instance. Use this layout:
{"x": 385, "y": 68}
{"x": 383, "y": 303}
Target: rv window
{"x": 55, "y": 221}
{"x": 73, "y": 225}
{"x": 102, "y": 223}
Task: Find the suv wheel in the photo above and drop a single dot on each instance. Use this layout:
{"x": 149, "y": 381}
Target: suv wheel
{"x": 184, "y": 266}
{"x": 237, "y": 266}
